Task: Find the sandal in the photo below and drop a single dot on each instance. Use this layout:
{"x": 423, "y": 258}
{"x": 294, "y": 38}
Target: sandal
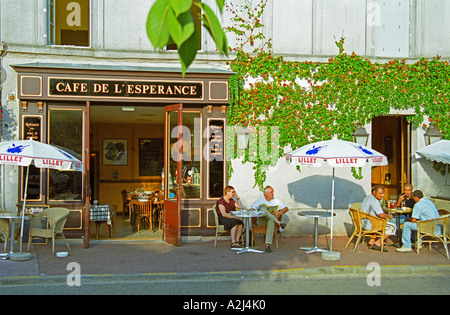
{"x": 235, "y": 245}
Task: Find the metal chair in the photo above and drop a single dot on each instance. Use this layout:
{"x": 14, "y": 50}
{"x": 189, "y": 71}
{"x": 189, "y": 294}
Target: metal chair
{"x": 56, "y": 218}
{"x": 219, "y": 227}
{"x": 436, "y": 229}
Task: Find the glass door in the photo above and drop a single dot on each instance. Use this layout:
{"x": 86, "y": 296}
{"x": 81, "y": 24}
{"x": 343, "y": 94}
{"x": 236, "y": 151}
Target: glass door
{"x": 173, "y": 152}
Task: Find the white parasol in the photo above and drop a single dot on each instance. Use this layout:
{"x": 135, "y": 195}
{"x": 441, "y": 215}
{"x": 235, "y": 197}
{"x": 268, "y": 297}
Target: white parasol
{"x": 23, "y": 152}
{"x": 439, "y": 152}
{"x": 337, "y": 153}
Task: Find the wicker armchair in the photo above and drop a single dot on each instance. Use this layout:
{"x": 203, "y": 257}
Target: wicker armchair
{"x": 436, "y": 229}
{"x": 378, "y": 227}
{"x": 262, "y": 229}
{"x": 354, "y": 213}
{"x": 57, "y": 218}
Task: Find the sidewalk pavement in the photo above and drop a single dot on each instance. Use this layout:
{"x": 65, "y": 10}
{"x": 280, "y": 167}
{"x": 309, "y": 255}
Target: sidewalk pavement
{"x": 152, "y": 259}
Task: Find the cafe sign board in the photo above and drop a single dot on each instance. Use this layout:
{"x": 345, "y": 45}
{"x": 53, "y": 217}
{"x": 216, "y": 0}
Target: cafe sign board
{"x": 71, "y": 87}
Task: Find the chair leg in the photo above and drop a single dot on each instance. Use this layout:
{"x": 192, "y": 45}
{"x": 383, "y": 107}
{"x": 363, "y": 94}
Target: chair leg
{"x": 215, "y": 240}
{"x": 357, "y": 242}
{"x": 350, "y": 240}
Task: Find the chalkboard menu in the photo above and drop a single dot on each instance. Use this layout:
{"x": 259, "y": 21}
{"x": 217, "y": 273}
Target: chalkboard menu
{"x": 216, "y": 162}
{"x": 32, "y": 127}
{"x": 151, "y": 156}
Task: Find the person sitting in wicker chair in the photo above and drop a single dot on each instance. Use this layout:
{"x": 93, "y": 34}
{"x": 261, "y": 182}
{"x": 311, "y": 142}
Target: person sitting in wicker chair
{"x": 424, "y": 209}
{"x": 371, "y": 205}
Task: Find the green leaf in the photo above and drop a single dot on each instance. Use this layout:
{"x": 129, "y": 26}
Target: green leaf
{"x": 213, "y": 26}
{"x": 180, "y": 6}
{"x": 182, "y": 28}
{"x": 220, "y": 4}
{"x": 157, "y": 29}
{"x": 188, "y": 50}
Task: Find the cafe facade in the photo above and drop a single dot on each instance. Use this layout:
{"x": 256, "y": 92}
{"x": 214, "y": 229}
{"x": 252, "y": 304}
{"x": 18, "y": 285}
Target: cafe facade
{"x": 135, "y": 129}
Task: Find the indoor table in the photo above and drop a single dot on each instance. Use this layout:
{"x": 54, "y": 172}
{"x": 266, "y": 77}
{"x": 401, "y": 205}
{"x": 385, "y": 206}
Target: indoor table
{"x": 316, "y": 215}
{"x": 246, "y": 215}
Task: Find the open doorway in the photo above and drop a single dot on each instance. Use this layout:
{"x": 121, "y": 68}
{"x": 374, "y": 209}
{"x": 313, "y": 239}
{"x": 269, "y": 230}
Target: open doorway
{"x": 127, "y": 154}
{"x": 391, "y": 135}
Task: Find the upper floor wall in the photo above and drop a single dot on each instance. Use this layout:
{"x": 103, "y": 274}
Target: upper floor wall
{"x": 298, "y": 28}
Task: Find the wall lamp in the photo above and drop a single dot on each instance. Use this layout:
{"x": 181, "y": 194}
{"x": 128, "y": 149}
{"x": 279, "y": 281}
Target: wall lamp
{"x": 432, "y": 135}
{"x": 360, "y": 135}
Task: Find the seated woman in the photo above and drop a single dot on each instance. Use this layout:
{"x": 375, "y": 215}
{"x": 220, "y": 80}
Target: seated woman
{"x": 224, "y": 206}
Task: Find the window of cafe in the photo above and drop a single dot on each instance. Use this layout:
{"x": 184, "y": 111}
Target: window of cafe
{"x": 66, "y": 131}
{"x": 191, "y": 158}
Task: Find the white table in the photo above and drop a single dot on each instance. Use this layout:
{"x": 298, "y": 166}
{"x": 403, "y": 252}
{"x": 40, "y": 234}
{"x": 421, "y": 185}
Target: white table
{"x": 12, "y": 226}
{"x": 316, "y": 215}
{"x": 246, "y": 215}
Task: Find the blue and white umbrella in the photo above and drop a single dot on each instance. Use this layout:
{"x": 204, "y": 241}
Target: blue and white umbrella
{"x": 337, "y": 153}
{"x": 42, "y": 155}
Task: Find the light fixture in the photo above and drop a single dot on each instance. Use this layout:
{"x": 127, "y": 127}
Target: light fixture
{"x": 223, "y": 110}
{"x": 209, "y": 110}
{"x": 242, "y": 138}
{"x": 127, "y": 108}
{"x": 40, "y": 107}
{"x": 24, "y": 106}
{"x": 360, "y": 135}
{"x": 432, "y": 134}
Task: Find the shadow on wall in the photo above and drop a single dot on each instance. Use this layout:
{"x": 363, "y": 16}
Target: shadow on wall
{"x": 315, "y": 191}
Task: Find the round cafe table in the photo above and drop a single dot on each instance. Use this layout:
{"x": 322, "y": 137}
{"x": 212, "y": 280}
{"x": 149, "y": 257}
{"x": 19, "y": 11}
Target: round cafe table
{"x": 316, "y": 215}
{"x": 397, "y": 212}
{"x": 246, "y": 215}
{"x": 12, "y": 218}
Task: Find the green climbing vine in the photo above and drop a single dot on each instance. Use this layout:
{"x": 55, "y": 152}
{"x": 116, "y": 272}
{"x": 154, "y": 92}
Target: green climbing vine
{"x": 311, "y": 101}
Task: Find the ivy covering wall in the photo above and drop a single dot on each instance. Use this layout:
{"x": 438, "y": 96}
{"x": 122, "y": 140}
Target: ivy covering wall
{"x": 311, "y": 101}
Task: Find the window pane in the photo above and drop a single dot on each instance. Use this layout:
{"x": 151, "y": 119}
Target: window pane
{"x": 216, "y": 158}
{"x": 71, "y": 22}
{"x": 66, "y": 131}
{"x": 191, "y": 156}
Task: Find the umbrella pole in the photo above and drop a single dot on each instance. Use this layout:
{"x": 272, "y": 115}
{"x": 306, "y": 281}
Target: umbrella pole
{"x": 23, "y": 209}
{"x": 330, "y": 255}
{"x": 22, "y": 256}
{"x": 332, "y": 212}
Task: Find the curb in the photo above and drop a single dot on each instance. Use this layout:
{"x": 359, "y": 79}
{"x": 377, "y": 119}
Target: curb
{"x": 315, "y": 272}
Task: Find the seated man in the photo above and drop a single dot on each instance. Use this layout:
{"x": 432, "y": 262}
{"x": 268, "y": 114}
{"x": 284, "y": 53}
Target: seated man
{"x": 424, "y": 209}
{"x": 408, "y": 199}
{"x": 371, "y": 205}
{"x": 273, "y": 211}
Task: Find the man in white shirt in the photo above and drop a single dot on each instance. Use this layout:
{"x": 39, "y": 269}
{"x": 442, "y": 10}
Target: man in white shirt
{"x": 371, "y": 205}
{"x": 273, "y": 210}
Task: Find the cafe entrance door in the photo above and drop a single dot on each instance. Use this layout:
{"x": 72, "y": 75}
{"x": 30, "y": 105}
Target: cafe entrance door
{"x": 391, "y": 135}
{"x": 173, "y": 137}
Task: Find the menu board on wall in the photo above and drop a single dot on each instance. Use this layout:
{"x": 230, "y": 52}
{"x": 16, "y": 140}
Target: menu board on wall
{"x": 151, "y": 156}
{"x": 32, "y": 127}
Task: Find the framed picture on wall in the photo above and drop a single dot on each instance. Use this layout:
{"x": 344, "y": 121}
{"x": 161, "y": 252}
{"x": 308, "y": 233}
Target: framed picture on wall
{"x": 115, "y": 152}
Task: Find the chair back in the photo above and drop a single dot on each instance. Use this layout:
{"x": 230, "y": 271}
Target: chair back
{"x": 216, "y": 216}
{"x": 144, "y": 207}
{"x": 378, "y": 224}
{"x": 354, "y": 213}
{"x": 56, "y": 216}
{"x": 436, "y": 227}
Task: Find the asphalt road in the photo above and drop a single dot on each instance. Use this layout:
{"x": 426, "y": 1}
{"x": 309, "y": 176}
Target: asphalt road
{"x": 404, "y": 285}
